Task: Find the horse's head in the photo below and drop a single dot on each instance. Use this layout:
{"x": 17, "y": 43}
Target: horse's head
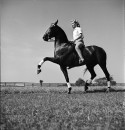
{"x": 51, "y": 32}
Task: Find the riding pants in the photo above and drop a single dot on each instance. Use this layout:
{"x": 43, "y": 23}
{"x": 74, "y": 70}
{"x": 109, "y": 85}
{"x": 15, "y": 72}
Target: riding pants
{"x": 79, "y": 43}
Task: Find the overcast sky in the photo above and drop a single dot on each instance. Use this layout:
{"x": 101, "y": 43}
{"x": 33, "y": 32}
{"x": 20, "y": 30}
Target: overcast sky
{"x": 23, "y": 23}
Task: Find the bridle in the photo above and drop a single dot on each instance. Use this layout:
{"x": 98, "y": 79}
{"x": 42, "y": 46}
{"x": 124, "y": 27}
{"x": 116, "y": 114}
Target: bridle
{"x": 51, "y": 40}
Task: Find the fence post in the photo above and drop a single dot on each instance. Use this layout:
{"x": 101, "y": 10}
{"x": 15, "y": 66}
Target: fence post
{"x": 41, "y": 82}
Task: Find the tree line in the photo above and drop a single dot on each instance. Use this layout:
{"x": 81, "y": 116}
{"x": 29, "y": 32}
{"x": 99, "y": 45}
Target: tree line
{"x": 97, "y": 82}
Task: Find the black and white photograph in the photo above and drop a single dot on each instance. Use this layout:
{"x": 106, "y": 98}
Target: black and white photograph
{"x": 62, "y": 65}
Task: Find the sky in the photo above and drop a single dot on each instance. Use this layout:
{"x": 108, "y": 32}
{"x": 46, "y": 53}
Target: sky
{"x": 24, "y": 22}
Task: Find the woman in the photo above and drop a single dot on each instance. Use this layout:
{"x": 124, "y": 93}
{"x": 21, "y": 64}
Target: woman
{"x": 78, "y": 39}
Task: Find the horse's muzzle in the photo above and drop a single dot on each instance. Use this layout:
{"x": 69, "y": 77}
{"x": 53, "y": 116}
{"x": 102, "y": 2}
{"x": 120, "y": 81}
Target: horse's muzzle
{"x": 45, "y": 38}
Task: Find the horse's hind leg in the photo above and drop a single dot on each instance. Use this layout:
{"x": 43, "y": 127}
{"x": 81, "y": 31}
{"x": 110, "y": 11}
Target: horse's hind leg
{"x": 104, "y": 68}
{"x": 93, "y": 75}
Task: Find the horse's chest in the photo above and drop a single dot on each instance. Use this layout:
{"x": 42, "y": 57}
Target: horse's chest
{"x": 60, "y": 51}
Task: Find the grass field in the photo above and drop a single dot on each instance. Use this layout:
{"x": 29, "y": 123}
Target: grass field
{"x": 54, "y": 109}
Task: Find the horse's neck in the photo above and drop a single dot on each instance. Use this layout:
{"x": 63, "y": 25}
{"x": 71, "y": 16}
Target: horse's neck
{"x": 61, "y": 37}
{"x": 59, "y": 44}
{"x": 61, "y": 40}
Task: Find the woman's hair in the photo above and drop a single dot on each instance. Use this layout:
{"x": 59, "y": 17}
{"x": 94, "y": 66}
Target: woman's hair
{"x": 76, "y": 22}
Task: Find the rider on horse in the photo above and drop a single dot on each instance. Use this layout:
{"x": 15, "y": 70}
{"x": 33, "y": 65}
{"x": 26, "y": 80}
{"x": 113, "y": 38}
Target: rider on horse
{"x": 65, "y": 56}
{"x": 78, "y": 39}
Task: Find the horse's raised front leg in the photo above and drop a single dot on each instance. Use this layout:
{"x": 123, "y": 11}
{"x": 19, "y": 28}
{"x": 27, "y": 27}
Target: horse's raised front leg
{"x": 51, "y": 59}
{"x": 64, "y": 70}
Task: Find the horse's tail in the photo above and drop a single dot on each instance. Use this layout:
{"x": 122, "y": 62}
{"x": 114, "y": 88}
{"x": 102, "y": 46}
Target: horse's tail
{"x": 85, "y": 70}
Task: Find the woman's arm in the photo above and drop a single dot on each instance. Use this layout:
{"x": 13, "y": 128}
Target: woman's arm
{"x": 80, "y": 36}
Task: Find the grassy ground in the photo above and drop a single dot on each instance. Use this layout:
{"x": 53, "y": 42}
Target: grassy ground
{"x": 56, "y": 110}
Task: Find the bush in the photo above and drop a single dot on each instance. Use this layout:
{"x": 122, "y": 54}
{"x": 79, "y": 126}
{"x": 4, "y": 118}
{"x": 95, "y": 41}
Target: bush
{"x": 80, "y": 82}
{"x": 103, "y": 81}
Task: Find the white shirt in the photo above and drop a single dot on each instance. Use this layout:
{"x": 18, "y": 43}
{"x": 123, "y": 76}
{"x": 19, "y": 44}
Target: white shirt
{"x": 76, "y": 33}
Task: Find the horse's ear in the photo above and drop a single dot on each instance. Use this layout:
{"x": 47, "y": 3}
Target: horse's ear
{"x": 56, "y": 22}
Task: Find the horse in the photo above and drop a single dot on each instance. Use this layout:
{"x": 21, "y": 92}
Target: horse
{"x": 66, "y": 56}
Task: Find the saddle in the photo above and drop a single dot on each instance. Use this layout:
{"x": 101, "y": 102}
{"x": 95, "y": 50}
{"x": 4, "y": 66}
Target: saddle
{"x": 71, "y": 42}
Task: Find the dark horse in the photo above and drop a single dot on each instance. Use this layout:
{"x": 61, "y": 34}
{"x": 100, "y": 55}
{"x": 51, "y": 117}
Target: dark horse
{"x": 66, "y": 56}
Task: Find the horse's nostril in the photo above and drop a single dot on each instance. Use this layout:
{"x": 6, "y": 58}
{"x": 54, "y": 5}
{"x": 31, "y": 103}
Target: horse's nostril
{"x": 45, "y": 38}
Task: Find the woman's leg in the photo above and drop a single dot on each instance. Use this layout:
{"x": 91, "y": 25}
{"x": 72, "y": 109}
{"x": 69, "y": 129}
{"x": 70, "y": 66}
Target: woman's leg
{"x": 77, "y": 47}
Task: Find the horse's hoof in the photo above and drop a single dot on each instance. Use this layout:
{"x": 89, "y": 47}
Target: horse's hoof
{"x": 85, "y": 91}
{"x": 108, "y": 89}
{"x": 38, "y": 71}
{"x": 86, "y": 87}
{"x": 69, "y": 92}
{"x": 39, "y": 66}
